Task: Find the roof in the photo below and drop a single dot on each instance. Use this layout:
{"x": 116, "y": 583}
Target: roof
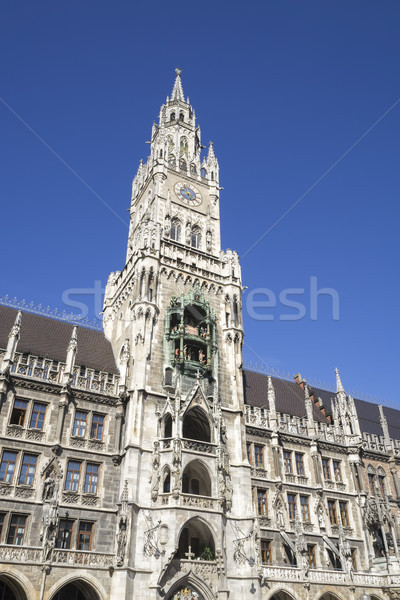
{"x": 289, "y": 396}
{"x": 46, "y": 337}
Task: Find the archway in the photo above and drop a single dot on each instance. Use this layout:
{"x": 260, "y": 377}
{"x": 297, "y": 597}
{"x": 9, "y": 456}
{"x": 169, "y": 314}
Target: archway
{"x": 76, "y": 590}
{"x": 329, "y": 596}
{"x": 281, "y": 595}
{"x": 186, "y": 593}
{"x": 10, "y": 590}
{"x": 196, "y": 425}
{"x": 196, "y": 479}
{"x": 196, "y": 541}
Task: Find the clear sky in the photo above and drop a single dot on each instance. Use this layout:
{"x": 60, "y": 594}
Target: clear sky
{"x": 284, "y": 89}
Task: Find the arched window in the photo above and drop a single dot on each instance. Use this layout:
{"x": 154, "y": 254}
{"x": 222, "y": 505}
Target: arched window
{"x": 196, "y": 538}
{"x": 182, "y": 165}
{"x": 161, "y": 153}
{"x": 371, "y": 479}
{"x": 381, "y": 482}
{"x": 167, "y": 426}
{"x": 166, "y": 480}
{"x": 193, "y": 169}
{"x": 176, "y": 230}
{"x": 172, "y": 161}
{"x": 181, "y": 116}
{"x": 195, "y": 239}
{"x": 196, "y": 425}
{"x": 196, "y": 479}
{"x": 172, "y": 116}
{"x": 203, "y": 172}
{"x": 212, "y": 175}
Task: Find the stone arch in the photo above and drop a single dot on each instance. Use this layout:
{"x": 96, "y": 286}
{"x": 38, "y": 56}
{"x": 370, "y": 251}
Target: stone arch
{"x": 191, "y": 582}
{"x": 196, "y": 425}
{"x": 167, "y": 425}
{"x": 15, "y": 586}
{"x": 86, "y": 587}
{"x": 197, "y": 535}
{"x": 326, "y": 593}
{"x": 166, "y": 480}
{"x": 196, "y": 479}
{"x": 281, "y": 592}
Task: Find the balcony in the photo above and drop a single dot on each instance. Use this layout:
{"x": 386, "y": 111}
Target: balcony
{"x": 328, "y": 576}
{"x": 34, "y": 555}
{"x": 198, "y": 446}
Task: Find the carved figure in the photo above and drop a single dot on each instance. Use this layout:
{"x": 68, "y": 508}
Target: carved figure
{"x": 49, "y": 488}
{"x": 121, "y": 540}
{"x": 154, "y": 485}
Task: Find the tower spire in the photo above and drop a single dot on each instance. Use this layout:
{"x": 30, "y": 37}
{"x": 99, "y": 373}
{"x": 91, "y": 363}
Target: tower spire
{"x": 177, "y": 91}
{"x": 339, "y": 386}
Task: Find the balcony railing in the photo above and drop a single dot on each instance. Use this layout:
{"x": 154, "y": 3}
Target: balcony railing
{"x": 53, "y": 371}
{"x": 34, "y": 554}
{"x": 329, "y": 576}
{"x": 80, "y": 558}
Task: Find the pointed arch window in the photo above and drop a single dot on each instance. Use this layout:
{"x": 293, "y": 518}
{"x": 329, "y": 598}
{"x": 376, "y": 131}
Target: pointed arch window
{"x": 172, "y": 116}
{"x": 184, "y": 146}
{"x": 176, "y": 230}
{"x": 182, "y": 165}
{"x": 193, "y": 169}
{"x": 172, "y": 161}
{"x": 181, "y": 117}
{"x": 195, "y": 239}
{"x": 203, "y": 172}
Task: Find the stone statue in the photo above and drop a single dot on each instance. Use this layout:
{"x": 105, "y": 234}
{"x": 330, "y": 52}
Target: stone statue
{"x": 49, "y": 488}
{"x": 154, "y": 485}
{"x": 121, "y": 540}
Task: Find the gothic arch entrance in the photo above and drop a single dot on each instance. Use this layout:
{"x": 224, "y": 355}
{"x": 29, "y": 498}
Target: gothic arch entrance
{"x": 76, "y": 590}
{"x": 186, "y": 593}
{"x": 10, "y": 590}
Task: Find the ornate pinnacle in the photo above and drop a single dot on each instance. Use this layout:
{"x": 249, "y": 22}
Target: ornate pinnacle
{"x": 177, "y": 91}
{"x": 339, "y": 386}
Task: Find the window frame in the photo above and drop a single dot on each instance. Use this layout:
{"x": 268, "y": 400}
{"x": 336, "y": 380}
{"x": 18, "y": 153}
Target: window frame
{"x": 83, "y": 532}
{"x": 299, "y": 460}
{"x": 70, "y": 488}
{"x": 266, "y": 552}
{"x": 332, "y": 512}
{"x": 258, "y": 452}
{"x": 4, "y": 479}
{"x": 311, "y": 555}
{"x": 305, "y": 508}
{"x": 24, "y": 411}
{"x": 89, "y": 483}
{"x": 95, "y": 425}
{"x": 326, "y": 468}
{"x": 337, "y": 470}
{"x": 17, "y": 525}
{"x": 344, "y": 513}
{"x": 32, "y": 412}
{"x": 27, "y": 473}
{"x": 262, "y": 507}
{"x": 292, "y": 505}
{"x": 287, "y": 462}
{"x": 76, "y": 425}
{"x": 61, "y": 543}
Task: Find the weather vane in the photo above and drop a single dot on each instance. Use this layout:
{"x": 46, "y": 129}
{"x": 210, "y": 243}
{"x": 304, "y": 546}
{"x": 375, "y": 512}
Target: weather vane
{"x": 178, "y": 71}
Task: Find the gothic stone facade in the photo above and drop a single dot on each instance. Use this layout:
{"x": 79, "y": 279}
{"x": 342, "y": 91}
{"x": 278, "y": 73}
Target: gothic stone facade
{"x": 146, "y": 463}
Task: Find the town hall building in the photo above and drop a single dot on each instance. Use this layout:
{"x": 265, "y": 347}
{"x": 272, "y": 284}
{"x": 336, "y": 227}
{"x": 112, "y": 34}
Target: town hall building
{"x": 144, "y": 462}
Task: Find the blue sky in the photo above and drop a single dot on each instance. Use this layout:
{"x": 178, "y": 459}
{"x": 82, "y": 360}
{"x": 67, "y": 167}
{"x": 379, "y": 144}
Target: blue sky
{"x": 283, "y": 89}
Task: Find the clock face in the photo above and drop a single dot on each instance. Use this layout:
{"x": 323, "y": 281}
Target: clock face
{"x": 188, "y": 194}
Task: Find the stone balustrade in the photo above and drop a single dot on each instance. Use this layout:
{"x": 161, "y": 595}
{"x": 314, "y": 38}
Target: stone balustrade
{"x": 328, "y": 576}
{"x": 52, "y": 372}
{"x": 34, "y": 555}
{"x": 80, "y": 558}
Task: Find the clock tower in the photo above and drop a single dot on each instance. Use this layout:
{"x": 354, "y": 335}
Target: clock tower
{"x": 173, "y": 315}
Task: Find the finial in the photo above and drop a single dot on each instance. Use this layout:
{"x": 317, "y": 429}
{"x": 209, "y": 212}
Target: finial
{"x": 177, "y": 92}
{"x": 339, "y": 386}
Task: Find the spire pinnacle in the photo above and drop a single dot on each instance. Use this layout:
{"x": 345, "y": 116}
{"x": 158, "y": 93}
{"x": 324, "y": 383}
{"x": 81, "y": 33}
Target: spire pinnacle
{"x": 339, "y": 386}
{"x": 211, "y": 151}
{"x": 177, "y": 91}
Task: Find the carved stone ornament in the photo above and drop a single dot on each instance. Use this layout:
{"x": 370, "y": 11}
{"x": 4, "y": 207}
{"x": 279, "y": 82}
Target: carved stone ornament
{"x": 151, "y": 538}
